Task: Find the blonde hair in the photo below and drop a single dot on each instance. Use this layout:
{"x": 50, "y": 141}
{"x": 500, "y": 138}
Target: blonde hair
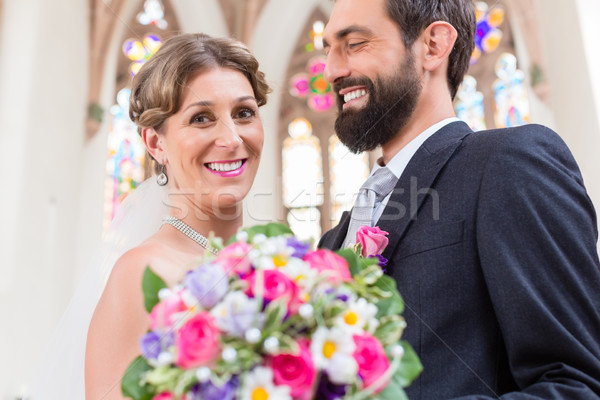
{"x": 158, "y": 86}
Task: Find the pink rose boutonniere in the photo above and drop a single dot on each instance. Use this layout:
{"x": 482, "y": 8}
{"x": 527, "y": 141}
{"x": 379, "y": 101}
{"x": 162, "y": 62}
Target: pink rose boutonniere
{"x": 372, "y": 240}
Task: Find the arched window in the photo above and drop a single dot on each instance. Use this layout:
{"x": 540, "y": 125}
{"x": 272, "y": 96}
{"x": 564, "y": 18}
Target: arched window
{"x": 126, "y": 165}
{"x": 493, "y": 93}
{"x": 320, "y": 176}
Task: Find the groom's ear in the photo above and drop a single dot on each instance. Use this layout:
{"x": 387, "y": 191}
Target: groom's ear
{"x": 154, "y": 144}
{"x": 437, "y": 42}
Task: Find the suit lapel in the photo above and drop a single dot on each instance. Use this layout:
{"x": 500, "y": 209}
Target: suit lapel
{"x": 335, "y": 238}
{"x": 418, "y": 177}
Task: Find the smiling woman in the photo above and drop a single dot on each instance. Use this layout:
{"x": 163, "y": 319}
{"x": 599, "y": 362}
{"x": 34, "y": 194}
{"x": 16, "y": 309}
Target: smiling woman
{"x": 196, "y": 107}
{"x": 211, "y": 147}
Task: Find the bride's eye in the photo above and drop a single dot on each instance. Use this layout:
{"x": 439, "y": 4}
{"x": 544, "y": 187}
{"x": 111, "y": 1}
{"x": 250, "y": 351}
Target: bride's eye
{"x": 244, "y": 114}
{"x": 201, "y": 119}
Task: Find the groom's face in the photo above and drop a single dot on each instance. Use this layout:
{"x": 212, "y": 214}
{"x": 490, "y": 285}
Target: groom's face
{"x": 373, "y": 74}
{"x": 390, "y": 105}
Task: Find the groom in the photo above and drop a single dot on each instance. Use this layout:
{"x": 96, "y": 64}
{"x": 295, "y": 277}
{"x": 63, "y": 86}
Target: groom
{"x": 492, "y": 235}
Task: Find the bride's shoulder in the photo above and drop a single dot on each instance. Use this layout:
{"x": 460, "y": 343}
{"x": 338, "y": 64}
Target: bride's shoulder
{"x": 128, "y": 270}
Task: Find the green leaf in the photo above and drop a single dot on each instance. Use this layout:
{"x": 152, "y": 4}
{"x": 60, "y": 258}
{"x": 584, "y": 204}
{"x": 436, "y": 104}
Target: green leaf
{"x": 393, "y": 391}
{"x": 269, "y": 230}
{"x": 164, "y": 378}
{"x": 274, "y": 314}
{"x": 390, "y": 329}
{"x": 371, "y": 274}
{"x": 132, "y": 385}
{"x": 410, "y": 368}
{"x": 393, "y": 304}
{"x": 352, "y": 259}
{"x": 287, "y": 344}
{"x": 366, "y": 262}
{"x": 151, "y": 285}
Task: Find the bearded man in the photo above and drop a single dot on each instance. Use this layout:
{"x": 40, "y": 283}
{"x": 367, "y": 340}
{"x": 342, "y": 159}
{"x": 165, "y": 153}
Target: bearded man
{"x": 492, "y": 236}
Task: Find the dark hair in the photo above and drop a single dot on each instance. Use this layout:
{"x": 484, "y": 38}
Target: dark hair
{"x": 414, "y": 16}
{"x": 158, "y": 86}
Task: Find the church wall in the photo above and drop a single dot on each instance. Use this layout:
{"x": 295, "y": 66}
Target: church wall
{"x": 43, "y": 83}
{"x": 569, "y": 35}
{"x": 277, "y": 30}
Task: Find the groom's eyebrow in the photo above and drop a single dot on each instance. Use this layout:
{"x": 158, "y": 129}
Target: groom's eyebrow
{"x": 341, "y": 34}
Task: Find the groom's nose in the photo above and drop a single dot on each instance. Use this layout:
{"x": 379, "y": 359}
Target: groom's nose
{"x": 336, "y": 66}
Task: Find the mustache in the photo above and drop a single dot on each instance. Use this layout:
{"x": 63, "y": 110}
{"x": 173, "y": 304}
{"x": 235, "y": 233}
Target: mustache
{"x": 351, "y": 81}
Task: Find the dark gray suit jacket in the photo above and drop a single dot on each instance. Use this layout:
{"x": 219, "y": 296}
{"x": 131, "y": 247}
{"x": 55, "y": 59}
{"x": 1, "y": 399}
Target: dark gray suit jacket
{"x": 493, "y": 246}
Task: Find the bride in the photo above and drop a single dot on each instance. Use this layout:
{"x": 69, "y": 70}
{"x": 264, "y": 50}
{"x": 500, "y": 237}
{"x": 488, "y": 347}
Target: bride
{"x": 195, "y": 103}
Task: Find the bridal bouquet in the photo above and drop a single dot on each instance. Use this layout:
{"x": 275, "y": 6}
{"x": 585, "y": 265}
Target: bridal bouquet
{"x": 269, "y": 319}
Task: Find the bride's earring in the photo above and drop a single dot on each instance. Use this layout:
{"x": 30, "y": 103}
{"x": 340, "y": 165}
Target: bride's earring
{"x": 162, "y": 178}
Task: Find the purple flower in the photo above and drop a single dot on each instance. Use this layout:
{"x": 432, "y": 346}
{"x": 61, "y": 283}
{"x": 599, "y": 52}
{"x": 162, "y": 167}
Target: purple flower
{"x": 382, "y": 260}
{"x": 208, "y": 283}
{"x": 150, "y": 345}
{"x": 329, "y": 391}
{"x": 300, "y": 248}
{"x": 237, "y": 313}
{"x": 343, "y": 297}
{"x": 209, "y": 391}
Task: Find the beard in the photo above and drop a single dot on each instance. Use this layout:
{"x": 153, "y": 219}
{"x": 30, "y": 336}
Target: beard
{"x": 392, "y": 102}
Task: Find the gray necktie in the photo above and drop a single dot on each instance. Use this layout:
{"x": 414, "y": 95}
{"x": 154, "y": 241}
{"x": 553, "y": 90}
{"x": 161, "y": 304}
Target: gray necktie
{"x": 372, "y": 192}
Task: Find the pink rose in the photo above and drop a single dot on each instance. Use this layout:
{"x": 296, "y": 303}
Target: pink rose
{"x": 276, "y": 285}
{"x": 162, "y": 313}
{"x": 234, "y": 260}
{"x": 371, "y": 359}
{"x": 163, "y": 396}
{"x": 197, "y": 341}
{"x": 295, "y": 370}
{"x": 372, "y": 239}
{"x": 330, "y": 264}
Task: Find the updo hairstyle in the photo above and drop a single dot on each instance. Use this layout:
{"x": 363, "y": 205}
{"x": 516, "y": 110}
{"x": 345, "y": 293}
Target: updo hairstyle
{"x": 158, "y": 86}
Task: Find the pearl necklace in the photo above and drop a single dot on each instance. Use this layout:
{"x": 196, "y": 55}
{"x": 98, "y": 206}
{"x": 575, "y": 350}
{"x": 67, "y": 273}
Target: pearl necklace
{"x": 191, "y": 233}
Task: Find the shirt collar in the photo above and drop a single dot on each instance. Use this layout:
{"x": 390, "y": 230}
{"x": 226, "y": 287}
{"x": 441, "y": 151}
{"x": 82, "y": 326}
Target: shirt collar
{"x": 399, "y": 162}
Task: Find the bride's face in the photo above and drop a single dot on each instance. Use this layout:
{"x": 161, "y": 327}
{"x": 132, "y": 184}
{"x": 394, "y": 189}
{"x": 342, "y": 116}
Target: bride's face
{"x": 213, "y": 143}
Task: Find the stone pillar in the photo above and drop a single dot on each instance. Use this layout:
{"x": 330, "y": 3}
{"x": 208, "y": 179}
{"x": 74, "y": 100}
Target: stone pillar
{"x": 43, "y": 84}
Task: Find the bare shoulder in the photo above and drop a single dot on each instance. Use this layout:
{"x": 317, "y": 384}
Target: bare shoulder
{"x": 131, "y": 266}
{"x": 119, "y": 320}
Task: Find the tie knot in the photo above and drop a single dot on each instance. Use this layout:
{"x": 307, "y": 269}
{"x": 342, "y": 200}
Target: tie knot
{"x": 382, "y": 182}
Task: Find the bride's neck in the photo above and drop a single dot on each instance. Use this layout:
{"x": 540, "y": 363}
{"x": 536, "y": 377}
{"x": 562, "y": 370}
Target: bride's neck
{"x": 223, "y": 224}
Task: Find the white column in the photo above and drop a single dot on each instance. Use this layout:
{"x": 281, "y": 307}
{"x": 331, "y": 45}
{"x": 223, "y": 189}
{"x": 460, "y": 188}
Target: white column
{"x": 571, "y": 49}
{"x": 43, "y": 83}
{"x": 590, "y": 32}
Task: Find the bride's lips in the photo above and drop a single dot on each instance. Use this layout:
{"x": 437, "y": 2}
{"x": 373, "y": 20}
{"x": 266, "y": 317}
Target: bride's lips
{"x": 227, "y": 169}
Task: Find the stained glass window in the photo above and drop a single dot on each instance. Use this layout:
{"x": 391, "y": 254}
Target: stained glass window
{"x": 347, "y": 172}
{"x": 313, "y": 86}
{"x": 153, "y": 14}
{"x": 140, "y": 52}
{"x": 320, "y": 176}
{"x": 510, "y": 94}
{"x": 126, "y": 152}
{"x": 302, "y": 178}
{"x": 470, "y": 107}
{"x": 316, "y": 37}
{"x": 487, "y": 34}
